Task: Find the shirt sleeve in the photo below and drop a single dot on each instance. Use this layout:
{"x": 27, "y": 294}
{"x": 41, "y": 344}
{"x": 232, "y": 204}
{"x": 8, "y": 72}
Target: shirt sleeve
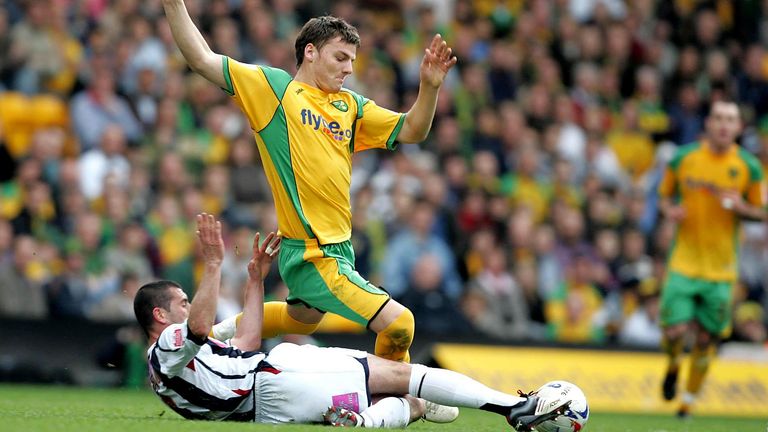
{"x": 377, "y": 128}
{"x": 757, "y": 193}
{"x": 175, "y": 348}
{"x": 225, "y": 330}
{"x": 253, "y": 90}
{"x": 667, "y": 186}
{"x": 757, "y": 190}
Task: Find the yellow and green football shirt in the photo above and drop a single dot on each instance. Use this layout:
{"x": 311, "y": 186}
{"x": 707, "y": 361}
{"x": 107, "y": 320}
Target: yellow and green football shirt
{"x": 706, "y": 242}
{"x": 306, "y": 138}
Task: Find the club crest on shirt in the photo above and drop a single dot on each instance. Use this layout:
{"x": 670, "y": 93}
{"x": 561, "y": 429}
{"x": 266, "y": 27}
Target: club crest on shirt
{"x": 177, "y": 339}
{"x": 733, "y": 172}
{"x": 340, "y": 105}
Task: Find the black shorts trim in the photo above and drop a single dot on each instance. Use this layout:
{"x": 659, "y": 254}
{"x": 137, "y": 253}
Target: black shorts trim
{"x": 364, "y": 361}
{"x": 368, "y": 326}
{"x": 295, "y": 301}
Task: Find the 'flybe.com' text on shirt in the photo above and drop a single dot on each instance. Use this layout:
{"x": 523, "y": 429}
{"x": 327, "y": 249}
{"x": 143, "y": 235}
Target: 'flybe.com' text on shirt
{"x": 318, "y": 122}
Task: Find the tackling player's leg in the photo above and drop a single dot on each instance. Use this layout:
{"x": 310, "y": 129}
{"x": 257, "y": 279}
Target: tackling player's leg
{"x": 446, "y": 387}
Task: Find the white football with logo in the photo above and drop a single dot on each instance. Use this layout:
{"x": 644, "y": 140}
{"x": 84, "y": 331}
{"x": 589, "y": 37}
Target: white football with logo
{"x": 557, "y": 393}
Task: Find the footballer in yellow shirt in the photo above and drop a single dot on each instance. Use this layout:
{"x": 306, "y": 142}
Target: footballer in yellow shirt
{"x": 307, "y": 127}
{"x": 708, "y": 187}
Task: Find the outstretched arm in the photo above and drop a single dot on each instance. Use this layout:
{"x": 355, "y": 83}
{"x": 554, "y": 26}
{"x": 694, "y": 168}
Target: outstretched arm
{"x": 202, "y": 312}
{"x": 248, "y": 333}
{"x": 193, "y": 46}
{"x": 438, "y": 60}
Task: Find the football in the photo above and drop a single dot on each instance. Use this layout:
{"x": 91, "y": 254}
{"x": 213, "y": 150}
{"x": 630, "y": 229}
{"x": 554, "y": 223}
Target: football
{"x": 575, "y": 417}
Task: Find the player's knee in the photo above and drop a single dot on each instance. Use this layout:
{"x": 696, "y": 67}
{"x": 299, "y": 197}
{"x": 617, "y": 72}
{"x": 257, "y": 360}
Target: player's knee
{"x": 401, "y": 330}
{"x": 395, "y": 338}
{"x": 676, "y": 331}
{"x": 704, "y": 340}
{"x": 407, "y": 321}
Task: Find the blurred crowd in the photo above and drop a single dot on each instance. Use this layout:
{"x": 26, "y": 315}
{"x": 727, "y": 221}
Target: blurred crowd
{"x": 529, "y": 213}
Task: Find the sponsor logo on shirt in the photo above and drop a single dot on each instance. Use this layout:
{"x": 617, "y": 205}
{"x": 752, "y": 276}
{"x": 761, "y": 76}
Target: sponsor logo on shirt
{"x": 709, "y": 186}
{"x": 348, "y": 401}
{"x": 319, "y": 123}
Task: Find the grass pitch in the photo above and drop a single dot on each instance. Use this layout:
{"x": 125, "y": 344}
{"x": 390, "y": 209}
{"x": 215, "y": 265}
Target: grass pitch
{"x": 68, "y": 409}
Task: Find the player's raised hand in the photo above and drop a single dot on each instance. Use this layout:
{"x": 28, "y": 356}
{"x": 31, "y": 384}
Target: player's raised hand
{"x": 263, "y": 254}
{"x": 209, "y": 237}
{"x": 438, "y": 60}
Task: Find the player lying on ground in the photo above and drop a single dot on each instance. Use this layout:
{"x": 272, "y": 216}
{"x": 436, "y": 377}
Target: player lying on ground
{"x": 200, "y": 377}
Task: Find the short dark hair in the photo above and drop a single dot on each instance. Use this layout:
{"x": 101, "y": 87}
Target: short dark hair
{"x": 152, "y": 295}
{"x": 318, "y": 31}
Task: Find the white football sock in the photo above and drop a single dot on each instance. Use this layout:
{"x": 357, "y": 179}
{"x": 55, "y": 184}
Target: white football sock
{"x": 451, "y": 388}
{"x": 390, "y": 412}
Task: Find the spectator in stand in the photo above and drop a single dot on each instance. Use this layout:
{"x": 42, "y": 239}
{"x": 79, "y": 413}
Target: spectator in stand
{"x": 33, "y": 51}
{"x": 632, "y": 144}
{"x": 105, "y": 161}
{"x": 641, "y": 328}
{"x": 748, "y": 323}
{"x": 686, "y": 114}
{"x": 752, "y": 83}
{"x": 409, "y": 246}
{"x": 118, "y": 306}
{"x": 248, "y": 184}
{"x": 21, "y": 296}
{"x": 504, "y": 313}
{"x": 571, "y": 310}
{"x": 6, "y": 242}
{"x": 129, "y": 256}
{"x": 37, "y": 215}
{"x": 67, "y": 293}
{"x": 434, "y": 306}
{"x": 95, "y": 108}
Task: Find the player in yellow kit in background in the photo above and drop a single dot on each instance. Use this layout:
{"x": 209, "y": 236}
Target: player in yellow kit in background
{"x": 307, "y": 127}
{"x": 708, "y": 187}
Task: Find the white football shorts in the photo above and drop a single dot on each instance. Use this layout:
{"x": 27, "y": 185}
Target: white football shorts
{"x": 305, "y": 380}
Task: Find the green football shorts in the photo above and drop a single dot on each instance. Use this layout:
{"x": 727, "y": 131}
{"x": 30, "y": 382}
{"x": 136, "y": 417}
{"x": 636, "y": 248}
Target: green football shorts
{"x": 707, "y": 302}
{"x": 324, "y": 277}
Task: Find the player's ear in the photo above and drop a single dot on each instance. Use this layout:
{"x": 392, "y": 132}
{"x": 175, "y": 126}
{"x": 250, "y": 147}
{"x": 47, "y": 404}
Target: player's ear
{"x": 310, "y": 51}
{"x": 159, "y": 314}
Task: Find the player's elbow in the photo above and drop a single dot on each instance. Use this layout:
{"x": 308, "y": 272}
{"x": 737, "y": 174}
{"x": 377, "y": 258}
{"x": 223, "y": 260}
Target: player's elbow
{"x": 199, "y": 328}
{"x": 247, "y": 343}
{"x": 199, "y": 64}
{"x": 412, "y": 135}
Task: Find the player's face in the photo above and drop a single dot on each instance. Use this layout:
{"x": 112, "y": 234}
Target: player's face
{"x": 723, "y": 124}
{"x": 179, "y": 307}
{"x": 333, "y": 63}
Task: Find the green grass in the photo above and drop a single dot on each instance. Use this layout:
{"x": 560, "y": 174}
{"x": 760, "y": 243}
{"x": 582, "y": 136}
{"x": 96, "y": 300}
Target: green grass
{"x": 68, "y": 409}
